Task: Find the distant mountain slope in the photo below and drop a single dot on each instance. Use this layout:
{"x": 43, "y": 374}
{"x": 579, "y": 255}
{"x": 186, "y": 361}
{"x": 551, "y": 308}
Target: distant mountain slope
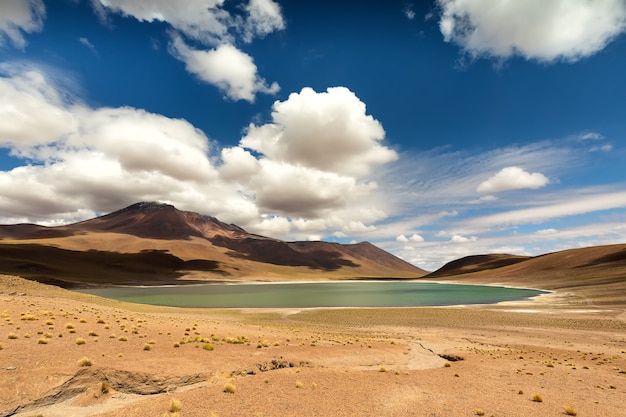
{"x": 154, "y": 243}
{"x": 597, "y": 269}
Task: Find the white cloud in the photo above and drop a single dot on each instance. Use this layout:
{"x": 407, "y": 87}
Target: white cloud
{"x": 408, "y": 11}
{"x": 535, "y": 29}
{"x": 603, "y": 148}
{"x": 264, "y": 17}
{"x": 591, "y": 136}
{"x": 327, "y": 131}
{"x": 568, "y": 206}
{"x": 202, "y": 20}
{"x": 549, "y": 231}
{"x": 415, "y": 238}
{"x": 88, "y": 44}
{"x": 462, "y": 239}
{"x": 209, "y": 23}
{"x": 512, "y": 178}
{"x": 226, "y": 67}
{"x": 101, "y": 159}
{"x": 18, "y": 17}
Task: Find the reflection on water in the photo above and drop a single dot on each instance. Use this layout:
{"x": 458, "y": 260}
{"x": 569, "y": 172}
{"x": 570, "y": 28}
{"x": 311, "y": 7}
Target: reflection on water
{"x": 317, "y": 294}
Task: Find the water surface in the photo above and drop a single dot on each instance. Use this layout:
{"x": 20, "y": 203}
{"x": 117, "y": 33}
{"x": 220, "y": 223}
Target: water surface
{"x": 316, "y": 294}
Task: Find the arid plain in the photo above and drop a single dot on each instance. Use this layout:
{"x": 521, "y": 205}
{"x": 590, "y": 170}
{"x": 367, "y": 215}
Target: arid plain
{"x": 498, "y": 360}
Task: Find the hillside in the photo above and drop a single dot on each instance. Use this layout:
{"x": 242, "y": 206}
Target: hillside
{"x": 599, "y": 271}
{"x": 153, "y": 243}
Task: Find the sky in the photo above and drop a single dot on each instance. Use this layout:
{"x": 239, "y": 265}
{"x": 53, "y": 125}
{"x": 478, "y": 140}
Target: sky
{"x": 433, "y": 129}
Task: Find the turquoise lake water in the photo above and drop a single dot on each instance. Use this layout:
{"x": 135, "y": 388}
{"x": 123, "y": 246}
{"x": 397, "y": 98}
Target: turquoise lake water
{"x": 316, "y": 294}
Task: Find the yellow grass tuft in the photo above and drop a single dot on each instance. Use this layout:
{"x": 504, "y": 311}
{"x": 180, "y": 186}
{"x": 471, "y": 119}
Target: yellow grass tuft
{"x": 147, "y": 346}
{"x": 229, "y": 388}
{"x": 537, "y": 398}
{"x": 175, "y": 405}
{"x": 569, "y": 410}
{"x": 42, "y": 341}
{"x": 85, "y": 361}
{"x": 299, "y": 384}
{"x": 80, "y": 341}
{"x": 479, "y": 412}
{"x": 12, "y": 336}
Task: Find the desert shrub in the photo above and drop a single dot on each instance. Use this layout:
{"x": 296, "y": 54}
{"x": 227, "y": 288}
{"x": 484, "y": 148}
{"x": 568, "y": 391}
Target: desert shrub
{"x": 92, "y": 333}
{"x": 299, "y": 384}
{"x": 147, "y": 346}
{"x": 123, "y": 339}
{"x": 105, "y": 388}
{"x": 537, "y": 398}
{"x": 229, "y": 388}
{"x": 42, "y": 341}
{"x": 12, "y": 336}
{"x": 569, "y": 410}
{"x": 69, "y": 326}
{"x": 480, "y": 412}
{"x": 85, "y": 361}
{"x": 207, "y": 346}
{"x": 100, "y": 321}
{"x": 80, "y": 341}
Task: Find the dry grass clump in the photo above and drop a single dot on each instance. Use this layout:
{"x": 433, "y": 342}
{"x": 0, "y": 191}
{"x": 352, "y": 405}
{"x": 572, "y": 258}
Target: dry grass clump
{"x": 1, "y": 346}
{"x": 12, "y": 336}
{"x": 92, "y": 333}
{"x": 569, "y": 410}
{"x": 80, "y": 341}
{"x": 479, "y": 412}
{"x": 42, "y": 341}
{"x": 229, "y": 388}
{"x": 299, "y": 384}
{"x": 147, "y": 346}
{"x": 85, "y": 361}
{"x": 175, "y": 405}
{"x": 123, "y": 339}
{"x": 207, "y": 346}
{"x": 537, "y": 398}
{"x": 28, "y": 316}
{"x": 69, "y": 326}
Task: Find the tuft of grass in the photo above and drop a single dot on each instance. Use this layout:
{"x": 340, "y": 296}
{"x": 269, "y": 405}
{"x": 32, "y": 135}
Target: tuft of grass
{"x": 229, "y": 388}
{"x": 447, "y": 364}
{"x": 537, "y": 398}
{"x": 69, "y": 326}
{"x": 42, "y": 341}
{"x": 479, "y": 412}
{"x": 92, "y": 333}
{"x": 28, "y": 316}
{"x": 11, "y": 336}
{"x": 1, "y": 346}
{"x": 175, "y": 405}
{"x": 123, "y": 339}
{"x": 85, "y": 361}
{"x": 299, "y": 384}
{"x": 147, "y": 346}
{"x": 569, "y": 410}
{"x": 80, "y": 341}
{"x": 207, "y": 346}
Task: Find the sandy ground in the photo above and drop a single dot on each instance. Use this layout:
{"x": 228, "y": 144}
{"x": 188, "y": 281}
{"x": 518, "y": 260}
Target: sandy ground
{"x": 430, "y": 362}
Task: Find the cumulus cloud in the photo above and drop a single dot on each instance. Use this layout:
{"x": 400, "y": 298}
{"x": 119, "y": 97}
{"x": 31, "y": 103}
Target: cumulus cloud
{"x": 226, "y": 67}
{"x": 535, "y": 29}
{"x": 591, "y": 136}
{"x": 415, "y": 238}
{"x": 327, "y": 131}
{"x": 208, "y": 23}
{"x": 101, "y": 159}
{"x": 264, "y": 17}
{"x": 18, "y": 17}
{"x": 512, "y": 178}
{"x": 202, "y": 20}
{"x": 462, "y": 239}
{"x": 408, "y": 11}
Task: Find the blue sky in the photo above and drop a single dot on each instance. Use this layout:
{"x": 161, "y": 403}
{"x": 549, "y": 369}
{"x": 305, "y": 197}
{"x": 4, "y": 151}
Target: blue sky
{"x": 435, "y": 129}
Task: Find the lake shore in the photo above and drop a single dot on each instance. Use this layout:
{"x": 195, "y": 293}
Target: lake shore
{"x": 444, "y": 361}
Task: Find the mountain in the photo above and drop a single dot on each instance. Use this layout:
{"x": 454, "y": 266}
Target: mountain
{"x": 153, "y": 243}
{"x": 597, "y": 270}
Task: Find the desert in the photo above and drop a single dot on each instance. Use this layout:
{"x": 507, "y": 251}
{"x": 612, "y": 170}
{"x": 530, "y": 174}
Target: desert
{"x": 69, "y": 354}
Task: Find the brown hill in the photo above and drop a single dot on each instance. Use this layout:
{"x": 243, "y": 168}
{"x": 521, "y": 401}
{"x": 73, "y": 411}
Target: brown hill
{"x": 153, "y": 243}
{"x": 599, "y": 271}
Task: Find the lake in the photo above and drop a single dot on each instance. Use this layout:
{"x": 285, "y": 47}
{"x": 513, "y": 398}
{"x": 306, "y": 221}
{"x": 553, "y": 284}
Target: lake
{"x": 316, "y": 294}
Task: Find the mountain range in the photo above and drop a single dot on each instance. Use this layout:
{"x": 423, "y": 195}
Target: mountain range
{"x": 152, "y": 243}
